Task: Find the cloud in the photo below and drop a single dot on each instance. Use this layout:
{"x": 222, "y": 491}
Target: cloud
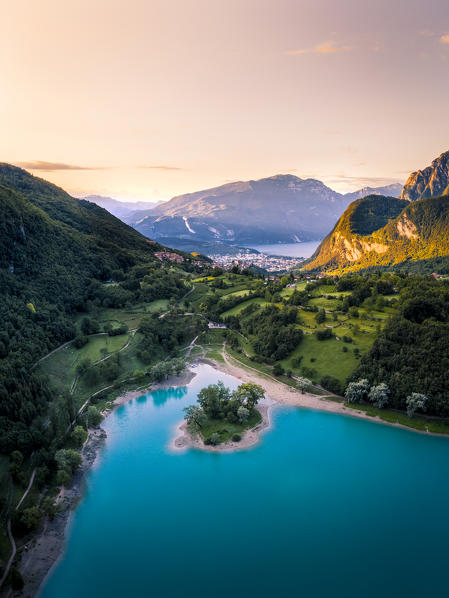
{"x": 362, "y": 181}
{"x": 444, "y": 39}
{"x": 323, "y": 48}
{"x": 427, "y": 33}
{"x": 53, "y": 166}
{"x": 162, "y": 167}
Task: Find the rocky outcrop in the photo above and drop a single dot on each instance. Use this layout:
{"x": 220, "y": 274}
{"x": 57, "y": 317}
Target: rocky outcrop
{"x": 433, "y": 181}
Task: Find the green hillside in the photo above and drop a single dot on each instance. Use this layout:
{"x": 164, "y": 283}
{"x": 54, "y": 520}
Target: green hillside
{"x": 56, "y": 256}
{"x": 385, "y": 231}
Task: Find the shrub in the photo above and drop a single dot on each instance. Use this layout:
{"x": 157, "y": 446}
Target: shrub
{"x": 331, "y": 383}
{"x": 117, "y": 331}
{"x": 31, "y": 518}
{"x": 236, "y": 437}
{"x": 214, "y": 439}
{"x": 80, "y": 340}
{"x": 278, "y": 370}
{"x": 93, "y": 416}
{"x": 347, "y": 339}
{"x": 323, "y": 335}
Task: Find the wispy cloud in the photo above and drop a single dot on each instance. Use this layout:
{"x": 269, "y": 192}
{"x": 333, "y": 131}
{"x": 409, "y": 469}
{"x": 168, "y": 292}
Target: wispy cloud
{"x": 362, "y": 181}
{"x": 444, "y": 39}
{"x": 53, "y": 166}
{"x": 323, "y": 48}
{"x": 427, "y": 33}
{"x": 162, "y": 167}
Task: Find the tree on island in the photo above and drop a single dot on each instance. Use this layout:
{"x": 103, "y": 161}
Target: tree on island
{"x": 216, "y": 402}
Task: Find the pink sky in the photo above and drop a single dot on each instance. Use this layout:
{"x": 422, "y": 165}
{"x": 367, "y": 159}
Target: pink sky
{"x": 149, "y": 99}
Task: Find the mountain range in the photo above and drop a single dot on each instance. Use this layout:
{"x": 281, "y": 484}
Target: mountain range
{"x": 277, "y": 209}
{"x": 384, "y": 231}
{"x": 121, "y": 209}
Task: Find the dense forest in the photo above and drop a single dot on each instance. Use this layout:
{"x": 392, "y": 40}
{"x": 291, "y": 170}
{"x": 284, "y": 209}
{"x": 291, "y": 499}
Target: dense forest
{"x": 411, "y": 354}
{"x": 56, "y": 254}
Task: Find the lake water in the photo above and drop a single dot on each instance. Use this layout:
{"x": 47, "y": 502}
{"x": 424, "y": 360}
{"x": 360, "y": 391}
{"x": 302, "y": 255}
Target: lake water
{"x": 305, "y": 249}
{"x": 326, "y": 505}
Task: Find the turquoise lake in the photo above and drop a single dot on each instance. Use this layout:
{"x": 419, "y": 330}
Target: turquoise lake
{"x": 325, "y": 505}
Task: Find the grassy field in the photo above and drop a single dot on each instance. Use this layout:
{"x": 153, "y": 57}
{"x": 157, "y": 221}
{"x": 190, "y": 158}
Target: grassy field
{"x": 325, "y": 357}
{"x": 241, "y": 306}
{"x": 312, "y": 358}
{"x": 225, "y": 429}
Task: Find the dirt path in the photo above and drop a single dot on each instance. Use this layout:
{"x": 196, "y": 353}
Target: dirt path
{"x": 8, "y": 527}
{"x": 33, "y": 474}
{"x": 13, "y": 553}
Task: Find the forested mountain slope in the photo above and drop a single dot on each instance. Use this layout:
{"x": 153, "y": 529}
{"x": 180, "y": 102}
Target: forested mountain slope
{"x": 55, "y": 254}
{"x": 382, "y": 231}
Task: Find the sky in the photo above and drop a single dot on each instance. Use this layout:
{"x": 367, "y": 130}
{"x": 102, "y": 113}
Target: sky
{"x": 147, "y": 99}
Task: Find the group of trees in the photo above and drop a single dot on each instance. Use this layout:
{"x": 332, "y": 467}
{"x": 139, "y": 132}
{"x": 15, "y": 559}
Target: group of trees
{"x": 161, "y": 370}
{"x": 360, "y": 391}
{"x": 273, "y": 331}
{"x": 163, "y": 336}
{"x": 379, "y": 395}
{"x": 411, "y": 353}
{"x": 217, "y": 402}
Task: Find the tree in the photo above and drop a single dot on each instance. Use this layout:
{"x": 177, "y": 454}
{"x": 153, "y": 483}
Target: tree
{"x": 250, "y": 393}
{"x": 83, "y": 365}
{"x": 212, "y": 399}
{"x": 303, "y": 384}
{"x": 378, "y": 395}
{"x": 31, "y": 518}
{"x": 68, "y": 460}
{"x": 243, "y": 414}
{"x": 194, "y": 416}
{"x": 94, "y": 417}
{"x": 278, "y": 370}
{"x": 356, "y": 392}
{"x": 17, "y": 458}
{"x": 415, "y": 402}
{"x": 49, "y": 507}
{"x": 215, "y": 439}
{"x": 79, "y": 436}
{"x": 63, "y": 478}
{"x": 179, "y": 365}
{"x": 80, "y": 340}
{"x": 321, "y": 316}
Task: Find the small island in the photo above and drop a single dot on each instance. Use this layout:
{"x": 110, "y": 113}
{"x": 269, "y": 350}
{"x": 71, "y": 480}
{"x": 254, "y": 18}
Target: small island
{"x": 222, "y": 416}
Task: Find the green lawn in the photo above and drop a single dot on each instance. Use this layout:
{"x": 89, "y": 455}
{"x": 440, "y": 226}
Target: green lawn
{"x": 241, "y": 293}
{"x": 225, "y": 429}
{"x": 329, "y": 358}
{"x": 241, "y": 306}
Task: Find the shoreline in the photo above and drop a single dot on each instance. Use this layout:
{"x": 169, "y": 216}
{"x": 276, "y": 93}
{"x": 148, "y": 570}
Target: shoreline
{"x": 39, "y": 556}
{"x": 278, "y": 394}
{"x": 182, "y": 439}
{"x": 282, "y": 394}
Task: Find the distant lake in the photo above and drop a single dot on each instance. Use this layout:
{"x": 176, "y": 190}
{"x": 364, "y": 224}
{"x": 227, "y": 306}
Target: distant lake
{"x": 326, "y": 506}
{"x": 305, "y": 249}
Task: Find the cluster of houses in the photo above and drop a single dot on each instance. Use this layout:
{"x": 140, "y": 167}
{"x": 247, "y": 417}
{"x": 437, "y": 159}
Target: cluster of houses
{"x": 170, "y": 256}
